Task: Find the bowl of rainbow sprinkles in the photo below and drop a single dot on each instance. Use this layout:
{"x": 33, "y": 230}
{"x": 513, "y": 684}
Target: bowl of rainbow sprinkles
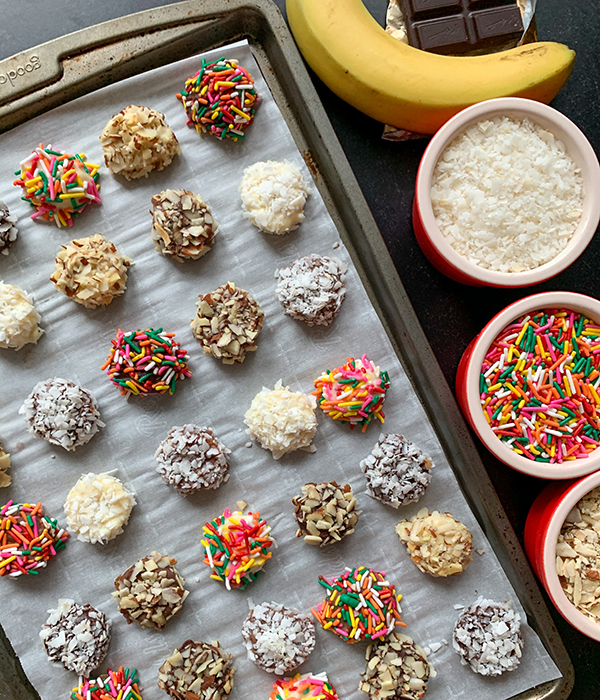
{"x": 529, "y": 385}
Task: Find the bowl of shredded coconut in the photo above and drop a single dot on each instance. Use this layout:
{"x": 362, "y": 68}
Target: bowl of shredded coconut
{"x": 562, "y": 542}
{"x": 506, "y": 194}
{"x": 529, "y": 385}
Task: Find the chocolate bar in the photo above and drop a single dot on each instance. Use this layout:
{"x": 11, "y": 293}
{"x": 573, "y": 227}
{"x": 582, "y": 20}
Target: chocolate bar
{"x": 457, "y": 27}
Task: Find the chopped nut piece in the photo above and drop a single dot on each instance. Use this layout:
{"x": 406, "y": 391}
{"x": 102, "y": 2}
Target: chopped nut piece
{"x": 197, "y": 671}
{"x": 153, "y": 585}
{"x": 5, "y": 479}
{"x": 182, "y": 225}
{"x": 137, "y": 141}
{"x": 91, "y": 271}
{"x": 325, "y": 513}
{"x": 227, "y": 323}
{"x": 396, "y": 668}
{"x": 437, "y": 543}
{"x": 578, "y": 555}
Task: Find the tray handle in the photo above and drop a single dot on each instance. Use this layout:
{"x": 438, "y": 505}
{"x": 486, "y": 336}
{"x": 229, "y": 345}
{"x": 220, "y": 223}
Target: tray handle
{"x": 33, "y": 70}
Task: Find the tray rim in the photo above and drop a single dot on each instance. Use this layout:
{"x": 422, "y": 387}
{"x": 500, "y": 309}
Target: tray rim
{"x": 261, "y": 22}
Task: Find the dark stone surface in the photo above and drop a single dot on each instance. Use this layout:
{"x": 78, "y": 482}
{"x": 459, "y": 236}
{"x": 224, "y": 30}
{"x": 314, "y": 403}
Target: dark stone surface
{"x": 451, "y": 314}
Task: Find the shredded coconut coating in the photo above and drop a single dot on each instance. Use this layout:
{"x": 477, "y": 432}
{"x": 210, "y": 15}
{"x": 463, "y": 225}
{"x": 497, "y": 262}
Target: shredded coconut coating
{"x": 18, "y": 318}
{"x": 62, "y": 413}
{"x": 438, "y": 544}
{"x": 325, "y": 513}
{"x": 396, "y": 669}
{"x": 98, "y": 508}
{"x": 506, "y": 194}
{"x": 183, "y": 226}
{"x": 91, "y": 271}
{"x": 278, "y": 639}
{"x": 282, "y": 420}
{"x": 77, "y": 636}
{"x": 487, "y": 637}
{"x": 197, "y": 671}
{"x": 8, "y": 229}
{"x": 397, "y": 471}
{"x": 273, "y": 196}
{"x": 191, "y": 459}
{"x": 227, "y": 323}
{"x": 137, "y": 141}
{"x": 312, "y": 289}
{"x": 5, "y": 479}
{"x": 151, "y": 591}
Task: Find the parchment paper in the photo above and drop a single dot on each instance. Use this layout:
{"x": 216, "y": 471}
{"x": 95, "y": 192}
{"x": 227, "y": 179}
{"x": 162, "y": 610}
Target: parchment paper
{"x": 163, "y": 293}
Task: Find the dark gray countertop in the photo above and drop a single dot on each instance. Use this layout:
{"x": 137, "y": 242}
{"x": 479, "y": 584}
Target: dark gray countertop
{"x": 450, "y": 313}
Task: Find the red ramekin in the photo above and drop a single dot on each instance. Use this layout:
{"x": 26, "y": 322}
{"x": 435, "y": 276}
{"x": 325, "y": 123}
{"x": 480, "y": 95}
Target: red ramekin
{"x": 467, "y": 384}
{"x": 433, "y": 243}
{"x": 545, "y": 519}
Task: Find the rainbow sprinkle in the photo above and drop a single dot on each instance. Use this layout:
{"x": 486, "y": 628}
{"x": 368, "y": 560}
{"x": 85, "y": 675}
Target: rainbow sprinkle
{"x": 59, "y": 185}
{"x": 360, "y": 604}
{"x": 353, "y": 393}
{"x": 539, "y": 386}
{"x": 303, "y": 686}
{"x": 220, "y": 99}
{"x": 28, "y": 539}
{"x": 237, "y": 547}
{"x": 146, "y": 362}
{"x": 121, "y": 684}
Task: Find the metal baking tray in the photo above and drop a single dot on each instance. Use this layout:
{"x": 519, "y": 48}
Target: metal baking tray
{"x": 58, "y": 71}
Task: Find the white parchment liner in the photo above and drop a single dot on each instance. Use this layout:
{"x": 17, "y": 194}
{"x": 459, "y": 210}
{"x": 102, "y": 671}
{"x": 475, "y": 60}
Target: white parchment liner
{"x": 162, "y": 293}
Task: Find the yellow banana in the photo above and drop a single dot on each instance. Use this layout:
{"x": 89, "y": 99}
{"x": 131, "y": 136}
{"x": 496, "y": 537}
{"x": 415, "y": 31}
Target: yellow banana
{"x": 408, "y": 88}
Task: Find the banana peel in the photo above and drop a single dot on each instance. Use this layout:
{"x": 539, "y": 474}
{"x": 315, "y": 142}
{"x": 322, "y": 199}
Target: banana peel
{"x": 412, "y": 89}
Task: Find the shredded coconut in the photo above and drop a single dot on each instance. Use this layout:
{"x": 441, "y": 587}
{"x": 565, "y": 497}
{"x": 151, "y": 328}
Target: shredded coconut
{"x": 8, "y": 229}
{"x": 487, "y": 637}
{"x": 312, "y": 289}
{"x": 282, "y": 420}
{"x": 507, "y": 195}
{"x": 98, "y": 507}
{"x": 397, "y": 471}
{"x": 278, "y": 639}
{"x": 76, "y": 636}
{"x": 62, "y": 413}
{"x": 18, "y": 318}
{"x": 273, "y": 196}
{"x": 192, "y": 458}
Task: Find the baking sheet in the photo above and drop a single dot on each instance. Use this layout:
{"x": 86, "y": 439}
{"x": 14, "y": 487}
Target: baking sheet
{"x": 162, "y": 293}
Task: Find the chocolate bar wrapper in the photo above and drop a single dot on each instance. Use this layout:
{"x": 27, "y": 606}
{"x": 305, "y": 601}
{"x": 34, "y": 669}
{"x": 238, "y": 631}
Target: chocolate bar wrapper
{"x": 396, "y": 27}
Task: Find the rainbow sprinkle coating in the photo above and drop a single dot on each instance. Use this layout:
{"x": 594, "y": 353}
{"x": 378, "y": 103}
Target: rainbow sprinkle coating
{"x": 360, "y": 604}
{"x": 220, "y": 99}
{"x": 120, "y": 685}
{"x": 353, "y": 393}
{"x": 146, "y": 362}
{"x": 237, "y": 547}
{"x": 28, "y": 539}
{"x": 59, "y": 185}
{"x": 303, "y": 686}
{"x": 539, "y": 386}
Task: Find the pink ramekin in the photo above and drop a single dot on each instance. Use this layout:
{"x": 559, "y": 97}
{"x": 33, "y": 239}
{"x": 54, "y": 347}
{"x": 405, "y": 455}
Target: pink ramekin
{"x": 435, "y": 246}
{"x": 545, "y": 519}
{"x": 467, "y": 384}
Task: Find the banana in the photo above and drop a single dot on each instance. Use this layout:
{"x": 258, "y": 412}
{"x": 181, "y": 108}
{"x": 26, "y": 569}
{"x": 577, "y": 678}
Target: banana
{"x": 409, "y": 88}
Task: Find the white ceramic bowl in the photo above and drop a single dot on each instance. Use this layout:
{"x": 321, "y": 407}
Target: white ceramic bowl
{"x": 467, "y": 384}
{"x": 542, "y": 528}
{"x": 432, "y": 241}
